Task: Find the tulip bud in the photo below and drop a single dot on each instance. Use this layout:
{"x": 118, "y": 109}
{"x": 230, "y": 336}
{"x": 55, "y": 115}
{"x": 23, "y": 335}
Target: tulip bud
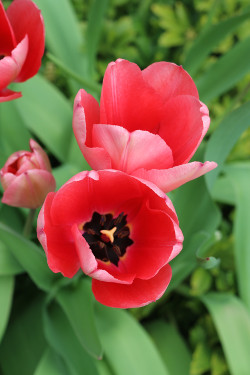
{"x": 26, "y": 178}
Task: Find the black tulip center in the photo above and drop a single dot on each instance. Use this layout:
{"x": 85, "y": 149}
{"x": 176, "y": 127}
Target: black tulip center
{"x": 107, "y": 237}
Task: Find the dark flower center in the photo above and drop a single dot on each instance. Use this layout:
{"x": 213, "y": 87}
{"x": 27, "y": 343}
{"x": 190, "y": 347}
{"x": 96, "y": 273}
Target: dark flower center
{"x": 107, "y": 237}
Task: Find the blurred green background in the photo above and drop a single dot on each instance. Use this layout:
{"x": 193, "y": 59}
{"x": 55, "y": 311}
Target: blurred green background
{"x": 50, "y": 325}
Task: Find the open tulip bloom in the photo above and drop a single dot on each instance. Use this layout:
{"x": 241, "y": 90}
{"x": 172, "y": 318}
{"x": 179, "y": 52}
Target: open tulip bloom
{"x": 120, "y": 230}
{"x": 149, "y": 124}
{"x": 21, "y": 45}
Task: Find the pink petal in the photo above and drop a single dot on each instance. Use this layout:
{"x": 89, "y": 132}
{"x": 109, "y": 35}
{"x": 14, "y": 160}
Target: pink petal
{"x": 183, "y": 127}
{"x": 7, "y": 40}
{"x": 139, "y": 293}
{"x": 85, "y": 114}
{"x": 61, "y": 255}
{"x": 172, "y": 178}
{"x": 40, "y": 156}
{"x": 89, "y": 263}
{"x": 131, "y": 151}
{"x": 29, "y": 189}
{"x": 26, "y": 19}
{"x": 10, "y": 66}
{"x": 7, "y": 95}
{"x": 169, "y": 80}
{"x": 127, "y": 100}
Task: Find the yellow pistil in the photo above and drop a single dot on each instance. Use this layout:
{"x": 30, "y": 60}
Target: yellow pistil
{"x": 109, "y": 234}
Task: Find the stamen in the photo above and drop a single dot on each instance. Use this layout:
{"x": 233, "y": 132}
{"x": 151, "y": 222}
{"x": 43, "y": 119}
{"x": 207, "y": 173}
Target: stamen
{"x": 108, "y": 235}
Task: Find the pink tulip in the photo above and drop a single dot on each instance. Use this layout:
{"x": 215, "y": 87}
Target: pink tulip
{"x": 21, "y": 45}
{"x": 120, "y": 231}
{"x": 26, "y": 178}
{"x": 149, "y": 124}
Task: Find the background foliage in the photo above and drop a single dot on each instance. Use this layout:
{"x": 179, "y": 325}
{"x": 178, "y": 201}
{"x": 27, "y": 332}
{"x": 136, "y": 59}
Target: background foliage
{"x": 51, "y": 325}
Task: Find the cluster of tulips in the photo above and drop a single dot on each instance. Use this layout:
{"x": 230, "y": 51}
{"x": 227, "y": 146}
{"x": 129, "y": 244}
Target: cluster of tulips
{"x": 114, "y": 222}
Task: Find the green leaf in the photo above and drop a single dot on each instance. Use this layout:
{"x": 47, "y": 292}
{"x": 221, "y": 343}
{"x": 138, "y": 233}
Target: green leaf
{"x": 223, "y": 192}
{"x": 201, "y": 359}
{"x": 199, "y": 218}
{"x": 23, "y": 343}
{"x": 63, "y": 173}
{"x": 224, "y": 138}
{"x": 63, "y": 340}
{"x": 169, "y": 342}
{"x": 210, "y": 38}
{"x": 232, "y": 322}
{"x": 52, "y": 364}
{"x": 48, "y": 114}
{"x": 77, "y": 303}
{"x": 225, "y": 72}
{"x": 13, "y": 133}
{"x": 8, "y": 264}
{"x": 6, "y": 292}
{"x": 94, "y": 28}
{"x": 30, "y": 257}
{"x": 126, "y": 344}
{"x": 239, "y": 174}
{"x": 63, "y": 36}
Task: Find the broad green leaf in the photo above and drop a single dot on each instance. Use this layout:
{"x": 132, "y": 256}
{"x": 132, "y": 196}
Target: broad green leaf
{"x": 224, "y": 138}
{"x": 30, "y": 257}
{"x": 13, "y": 134}
{"x": 232, "y": 322}
{"x": 63, "y": 340}
{"x": 239, "y": 175}
{"x": 47, "y": 114}
{"x": 126, "y": 344}
{"x": 169, "y": 342}
{"x": 225, "y": 72}
{"x": 12, "y": 217}
{"x": 63, "y": 173}
{"x": 93, "y": 32}
{"x": 6, "y": 292}
{"x": 77, "y": 303}
{"x": 8, "y": 263}
{"x": 23, "y": 343}
{"x": 199, "y": 218}
{"x": 223, "y": 192}
{"x": 63, "y": 36}
{"x": 52, "y": 364}
{"x": 210, "y": 38}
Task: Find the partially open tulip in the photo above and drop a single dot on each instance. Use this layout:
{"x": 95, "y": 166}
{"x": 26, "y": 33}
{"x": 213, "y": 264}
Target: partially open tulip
{"x": 21, "y": 45}
{"x": 26, "y": 178}
{"x": 149, "y": 123}
{"x": 119, "y": 230}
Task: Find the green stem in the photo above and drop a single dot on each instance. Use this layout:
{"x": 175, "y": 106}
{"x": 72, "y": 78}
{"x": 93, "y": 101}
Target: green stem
{"x": 86, "y": 83}
{"x": 29, "y": 222}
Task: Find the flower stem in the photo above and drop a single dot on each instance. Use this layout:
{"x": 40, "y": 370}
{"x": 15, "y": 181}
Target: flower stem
{"x": 86, "y": 83}
{"x": 28, "y": 224}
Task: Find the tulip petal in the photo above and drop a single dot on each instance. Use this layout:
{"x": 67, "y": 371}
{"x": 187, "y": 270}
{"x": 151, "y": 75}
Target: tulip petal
{"x": 139, "y": 293}
{"x": 85, "y": 114}
{"x": 26, "y": 19}
{"x": 56, "y": 239}
{"x": 131, "y": 151}
{"x": 186, "y": 121}
{"x": 169, "y": 80}
{"x": 10, "y": 66}
{"x": 89, "y": 263}
{"x": 7, "y": 95}
{"x": 7, "y": 40}
{"x": 155, "y": 237}
{"x": 39, "y": 156}
{"x": 29, "y": 189}
{"x": 170, "y": 179}
{"x": 127, "y": 100}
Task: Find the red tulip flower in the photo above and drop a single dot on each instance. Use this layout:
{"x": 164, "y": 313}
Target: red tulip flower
{"x": 149, "y": 124}
{"x": 119, "y": 230}
{"x": 26, "y": 178}
{"x": 21, "y": 45}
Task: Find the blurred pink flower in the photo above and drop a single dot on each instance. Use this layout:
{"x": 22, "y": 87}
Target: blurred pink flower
{"x": 26, "y": 178}
{"x": 120, "y": 231}
{"x": 22, "y": 38}
{"x": 149, "y": 124}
